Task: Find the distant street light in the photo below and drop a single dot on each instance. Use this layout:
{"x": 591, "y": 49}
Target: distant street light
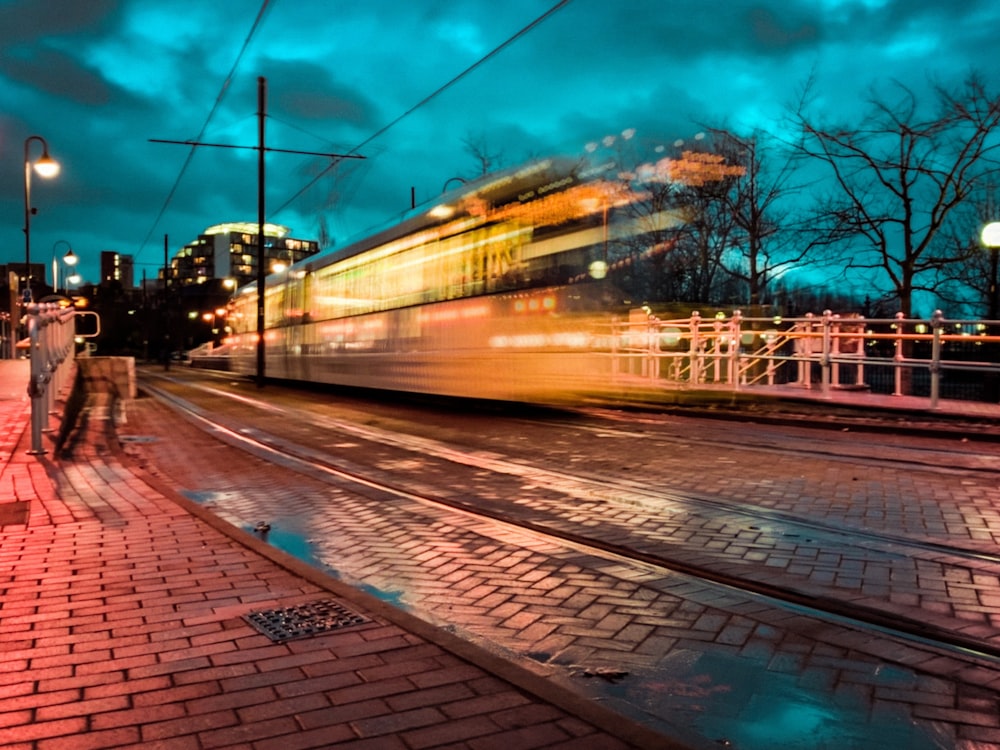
{"x": 46, "y": 167}
{"x": 70, "y": 259}
{"x": 991, "y": 239}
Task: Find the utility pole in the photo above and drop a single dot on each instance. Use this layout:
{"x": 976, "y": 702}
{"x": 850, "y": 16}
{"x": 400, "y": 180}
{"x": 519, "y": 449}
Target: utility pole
{"x": 166, "y": 304}
{"x": 261, "y": 256}
{"x": 261, "y": 110}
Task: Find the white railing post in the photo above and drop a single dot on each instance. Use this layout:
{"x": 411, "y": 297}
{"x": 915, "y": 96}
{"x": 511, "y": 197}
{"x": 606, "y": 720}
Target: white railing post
{"x": 835, "y": 331}
{"x": 898, "y": 356}
{"x": 770, "y": 348}
{"x": 859, "y": 375}
{"x": 717, "y": 342}
{"x": 735, "y": 344}
{"x": 653, "y": 338}
{"x": 937, "y": 323}
{"x": 825, "y": 357}
{"x": 804, "y": 344}
{"x": 694, "y": 351}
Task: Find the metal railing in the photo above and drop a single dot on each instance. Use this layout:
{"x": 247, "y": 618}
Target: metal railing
{"x": 51, "y": 347}
{"x": 896, "y": 355}
{"x": 51, "y": 335}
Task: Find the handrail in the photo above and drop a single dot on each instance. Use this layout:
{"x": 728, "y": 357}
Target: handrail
{"x": 724, "y": 350}
{"x": 51, "y": 329}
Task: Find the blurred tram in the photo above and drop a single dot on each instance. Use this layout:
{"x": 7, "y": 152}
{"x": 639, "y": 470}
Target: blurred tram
{"x": 497, "y": 292}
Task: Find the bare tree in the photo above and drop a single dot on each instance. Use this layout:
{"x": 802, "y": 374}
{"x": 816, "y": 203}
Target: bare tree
{"x": 899, "y": 175}
{"x": 768, "y": 240}
{"x": 680, "y": 260}
{"x": 702, "y": 243}
{"x": 478, "y": 149}
{"x": 738, "y": 198}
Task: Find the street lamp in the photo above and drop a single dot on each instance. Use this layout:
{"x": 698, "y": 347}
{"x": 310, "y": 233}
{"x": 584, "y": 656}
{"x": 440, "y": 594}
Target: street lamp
{"x": 70, "y": 259}
{"x": 990, "y": 237}
{"x": 46, "y": 167}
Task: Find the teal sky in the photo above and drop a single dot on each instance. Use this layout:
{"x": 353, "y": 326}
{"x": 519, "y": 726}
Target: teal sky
{"x": 99, "y": 78}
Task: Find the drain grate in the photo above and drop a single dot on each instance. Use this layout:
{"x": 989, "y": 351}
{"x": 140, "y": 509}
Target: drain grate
{"x": 304, "y": 620}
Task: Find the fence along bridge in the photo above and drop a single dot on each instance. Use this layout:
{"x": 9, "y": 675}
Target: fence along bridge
{"x": 929, "y": 358}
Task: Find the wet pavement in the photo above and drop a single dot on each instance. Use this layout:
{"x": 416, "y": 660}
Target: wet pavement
{"x": 124, "y": 624}
{"x": 719, "y": 662}
{"x": 764, "y": 683}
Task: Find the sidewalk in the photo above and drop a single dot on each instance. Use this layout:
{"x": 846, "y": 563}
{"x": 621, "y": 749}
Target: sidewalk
{"x": 124, "y": 624}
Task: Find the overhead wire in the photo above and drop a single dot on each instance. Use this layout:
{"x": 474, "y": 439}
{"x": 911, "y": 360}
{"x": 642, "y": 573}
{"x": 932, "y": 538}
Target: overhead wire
{"x": 215, "y": 108}
{"x": 495, "y": 51}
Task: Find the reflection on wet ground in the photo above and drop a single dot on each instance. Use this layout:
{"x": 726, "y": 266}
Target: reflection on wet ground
{"x": 711, "y": 697}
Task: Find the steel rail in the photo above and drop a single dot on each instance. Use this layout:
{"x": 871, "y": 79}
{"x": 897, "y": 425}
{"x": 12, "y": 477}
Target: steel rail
{"x": 846, "y": 614}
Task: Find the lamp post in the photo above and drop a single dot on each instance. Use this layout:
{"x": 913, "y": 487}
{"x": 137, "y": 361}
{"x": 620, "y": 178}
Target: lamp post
{"x": 70, "y": 259}
{"x": 46, "y": 167}
{"x": 991, "y": 239}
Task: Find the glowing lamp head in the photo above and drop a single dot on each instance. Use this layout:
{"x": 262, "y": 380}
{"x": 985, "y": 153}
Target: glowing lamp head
{"x": 46, "y": 166}
{"x": 991, "y": 234}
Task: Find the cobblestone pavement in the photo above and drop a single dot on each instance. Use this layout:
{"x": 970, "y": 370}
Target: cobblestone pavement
{"x": 579, "y": 616}
{"x": 123, "y": 626}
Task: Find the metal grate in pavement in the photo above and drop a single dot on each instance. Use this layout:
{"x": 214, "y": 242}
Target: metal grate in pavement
{"x": 304, "y": 620}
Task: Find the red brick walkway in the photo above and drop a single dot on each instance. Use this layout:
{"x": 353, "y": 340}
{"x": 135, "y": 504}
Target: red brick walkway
{"x": 121, "y": 625}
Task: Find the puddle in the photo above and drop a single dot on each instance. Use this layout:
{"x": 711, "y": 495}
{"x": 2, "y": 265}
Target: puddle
{"x": 734, "y": 702}
{"x": 708, "y": 700}
{"x": 295, "y": 542}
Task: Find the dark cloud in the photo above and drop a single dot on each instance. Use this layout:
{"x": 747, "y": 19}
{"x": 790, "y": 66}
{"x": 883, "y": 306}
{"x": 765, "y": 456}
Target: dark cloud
{"x": 34, "y": 21}
{"x": 55, "y": 73}
{"x": 310, "y": 92}
{"x": 774, "y": 33}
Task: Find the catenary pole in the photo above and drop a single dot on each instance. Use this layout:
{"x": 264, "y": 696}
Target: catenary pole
{"x": 261, "y": 255}
{"x": 261, "y": 109}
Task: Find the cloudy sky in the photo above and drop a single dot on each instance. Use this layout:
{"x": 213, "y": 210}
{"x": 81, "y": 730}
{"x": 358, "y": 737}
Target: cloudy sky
{"x": 98, "y": 79}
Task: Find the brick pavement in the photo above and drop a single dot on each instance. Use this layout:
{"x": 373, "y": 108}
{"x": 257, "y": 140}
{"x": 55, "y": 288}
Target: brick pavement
{"x": 754, "y": 651}
{"x": 121, "y": 625}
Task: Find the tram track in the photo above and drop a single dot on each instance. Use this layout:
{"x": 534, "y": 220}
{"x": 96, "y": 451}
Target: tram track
{"x": 588, "y": 486}
{"x": 862, "y": 447}
{"x": 854, "y": 614}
